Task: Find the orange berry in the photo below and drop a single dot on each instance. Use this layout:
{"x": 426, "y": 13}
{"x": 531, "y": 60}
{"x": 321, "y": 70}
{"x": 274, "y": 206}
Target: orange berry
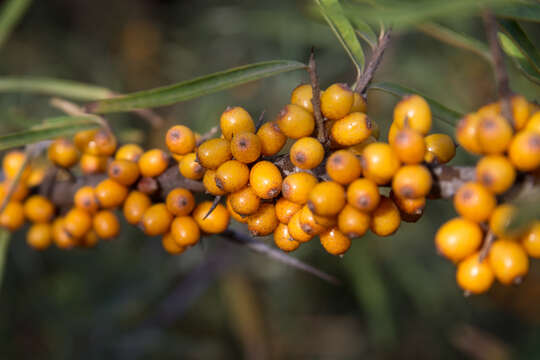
{"x": 493, "y": 108}
{"x": 190, "y": 168}
{"x": 509, "y": 261}
{"x": 409, "y": 146}
{"x": 474, "y": 202}
{"x": 440, "y": 149}
{"x": 520, "y": 111}
{"x": 156, "y": 220}
{"x": 524, "y": 150}
{"x": 185, "y": 231}
{"x": 245, "y": 201}
{"x": 359, "y": 103}
{"x": 458, "y": 238}
{"x": 106, "y": 224}
{"x": 103, "y": 143}
{"x": 235, "y": 120}
{"x": 534, "y": 123}
{"x": 36, "y": 176}
{"x": 246, "y": 147}
{"x": 343, "y": 167}
{"x": 406, "y": 206}
{"x": 412, "y": 181}
{"x": 180, "y": 140}
{"x": 129, "y": 152}
{"x": 89, "y": 240}
{"x": 271, "y": 138}
{"x": 63, "y": 153}
{"x": 135, "y": 206}
{"x": 335, "y": 242}
{"x": 285, "y": 209}
{"x": 307, "y": 153}
{"x": 385, "y": 220}
{"x": 379, "y": 162}
{"x": 110, "y": 194}
{"x": 123, "y": 172}
{"x": 283, "y": 239}
{"x": 358, "y": 149}
{"x": 295, "y": 122}
{"x": 496, "y": 173}
{"x": 12, "y": 163}
{"x": 232, "y": 176}
{"x": 363, "y": 194}
{"x": 236, "y": 216}
{"x": 474, "y": 276}
{"x": 327, "y": 198}
{"x": 296, "y": 231}
{"x": 264, "y": 221}
{"x": 92, "y": 164}
{"x": 352, "y": 222}
{"x": 215, "y": 223}
{"x": 153, "y": 163}
{"x": 302, "y": 95}
{"x": 352, "y": 129}
{"x": 209, "y": 181}
{"x": 531, "y": 240}
{"x": 310, "y": 225}
{"x": 39, "y": 236}
{"x": 180, "y": 202}
{"x": 82, "y": 138}
{"x": 467, "y": 133}
{"x": 392, "y": 133}
{"x": 336, "y": 101}
{"x": 494, "y": 134}
{"x": 170, "y": 245}
{"x": 20, "y": 192}
{"x": 413, "y": 112}
{"x": 213, "y": 153}
{"x": 85, "y": 198}
{"x": 12, "y": 217}
{"x": 500, "y": 219}
{"x": 61, "y": 237}
{"x": 265, "y": 179}
{"x": 77, "y": 222}
{"x": 296, "y": 187}
{"x": 38, "y": 209}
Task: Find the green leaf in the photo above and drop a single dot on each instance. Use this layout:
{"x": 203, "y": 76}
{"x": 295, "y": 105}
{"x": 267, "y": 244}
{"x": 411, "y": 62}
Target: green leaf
{"x": 365, "y": 31}
{"x": 10, "y": 14}
{"x": 57, "y": 87}
{"x": 528, "y": 11}
{"x": 519, "y": 60}
{"x": 515, "y": 33}
{"x": 52, "y": 128}
{"x": 4, "y": 246}
{"x": 439, "y": 111}
{"x": 342, "y": 28}
{"x": 191, "y": 89}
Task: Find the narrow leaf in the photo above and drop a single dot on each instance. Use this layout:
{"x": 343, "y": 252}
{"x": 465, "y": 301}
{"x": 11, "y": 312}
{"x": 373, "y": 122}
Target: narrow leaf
{"x": 515, "y": 33}
{"x": 4, "y": 246}
{"x": 523, "y": 11}
{"x": 197, "y": 87}
{"x": 57, "y": 87}
{"x": 10, "y": 14}
{"x": 519, "y": 60}
{"x": 364, "y": 30}
{"x": 342, "y": 28}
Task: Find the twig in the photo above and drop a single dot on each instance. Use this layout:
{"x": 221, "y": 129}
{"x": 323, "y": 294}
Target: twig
{"x": 316, "y": 99}
{"x": 365, "y": 77}
{"x": 215, "y": 203}
{"x": 448, "y": 179}
{"x": 75, "y": 110}
{"x": 488, "y": 241}
{"x": 260, "y": 121}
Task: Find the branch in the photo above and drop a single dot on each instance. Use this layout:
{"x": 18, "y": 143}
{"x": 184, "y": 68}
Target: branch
{"x": 316, "y": 100}
{"x": 374, "y": 61}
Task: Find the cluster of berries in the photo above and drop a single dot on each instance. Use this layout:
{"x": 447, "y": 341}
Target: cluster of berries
{"x": 509, "y": 150}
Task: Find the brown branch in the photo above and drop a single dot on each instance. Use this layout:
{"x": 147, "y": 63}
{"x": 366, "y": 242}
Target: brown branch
{"x": 364, "y": 79}
{"x": 75, "y": 110}
{"x": 316, "y": 100}
{"x": 488, "y": 241}
{"x": 448, "y": 179}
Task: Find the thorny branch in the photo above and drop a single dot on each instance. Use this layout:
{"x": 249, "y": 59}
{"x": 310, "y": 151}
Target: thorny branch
{"x": 374, "y": 61}
{"x": 316, "y": 100}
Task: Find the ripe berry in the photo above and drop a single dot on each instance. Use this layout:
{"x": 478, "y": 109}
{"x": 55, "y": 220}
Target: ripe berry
{"x": 385, "y": 220}
{"x": 77, "y": 222}
{"x": 500, "y": 219}
{"x": 156, "y": 220}
{"x": 474, "y": 276}
{"x": 63, "y": 153}
{"x": 61, "y": 237}
{"x": 180, "y": 140}
{"x": 412, "y": 181}
{"x": 245, "y": 201}
{"x": 129, "y": 152}
{"x": 359, "y": 104}
{"x": 379, "y": 162}
{"x": 310, "y": 225}
{"x": 123, "y": 172}
{"x": 36, "y": 176}
{"x": 106, "y": 224}
{"x": 285, "y": 209}
{"x": 467, "y": 133}
{"x": 38, "y": 209}
{"x": 232, "y": 176}
{"x": 12, "y": 163}
{"x": 264, "y": 221}
{"x": 272, "y": 139}
{"x": 82, "y": 138}
{"x": 335, "y": 242}
{"x": 215, "y": 223}
{"x": 153, "y": 162}
{"x": 180, "y": 202}
{"x": 89, "y": 240}
{"x": 524, "y": 150}
{"x": 343, "y": 167}
{"x": 520, "y": 111}
{"x": 283, "y": 239}
{"x": 336, "y": 101}
{"x": 440, "y": 149}
{"x": 20, "y": 192}
{"x": 190, "y": 168}
{"x": 496, "y": 173}
{"x": 509, "y": 261}
{"x": 85, "y": 198}
{"x": 295, "y": 122}
{"x": 352, "y": 129}
{"x": 92, "y": 164}
{"x": 534, "y": 123}
{"x": 458, "y": 238}
{"x": 236, "y": 216}
{"x": 265, "y": 179}
{"x": 297, "y": 187}
{"x": 110, "y": 193}
{"x": 358, "y": 149}
{"x": 213, "y": 153}
{"x": 307, "y": 153}
{"x": 170, "y": 245}
{"x": 209, "y": 181}
{"x": 406, "y": 206}
{"x": 327, "y": 198}
{"x": 352, "y": 222}
{"x": 235, "y": 120}
{"x": 531, "y": 240}
{"x": 135, "y": 206}
{"x": 413, "y": 112}
{"x": 494, "y": 134}
{"x": 363, "y": 194}
{"x": 103, "y": 143}
{"x": 474, "y": 202}
{"x": 39, "y": 236}
{"x": 409, "y": 146}
{"x": 246, "y": 147}
{"x": 392, "y": 133}
{"x": 296, "y": 231}
{"x": 185, "y": 231}
{"x": 302, "y": 95}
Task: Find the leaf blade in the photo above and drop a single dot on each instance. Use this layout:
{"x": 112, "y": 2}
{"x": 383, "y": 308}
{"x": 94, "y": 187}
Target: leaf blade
{"x": 515, "y": 33}
{"x": 522, "y": 11}
{"x": 58, "y": 87}
{"x": 10, "y": 14}
{"x": 518, "y": 59}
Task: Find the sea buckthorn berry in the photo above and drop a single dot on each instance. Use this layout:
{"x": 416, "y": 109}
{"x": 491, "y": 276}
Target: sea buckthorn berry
{"x": 61, "y": 237}
{"x": 85, "y": 198}
{"x": 283, "y": 239}
{"x": 285, "y": 209}
{"x": 327, "y": 198}
{"x": 520, "y": 111}
{"x": 180, "y": 140}
{"x": 352, "y": 129}
{"x": 103, "y": 144}
{"x": 379, "y": 162}
{"x": 474, "y": 202}
{"x": 272, "y": 139}
{"x": 236, "y": 216}
{"x": 409, "y": 146}
{"x": 209, "y": 181}
{"x": 524, "y": 150}
{"x": 474, "y": 276}
{"x": 335, "y": 242}
{"x": 534, "y": 123}
{"x": 494, "y": 134}
{"x": 153, "y": 162}
{"x": 180, "y": 202}
{"x": 215, "y": 223}
{"x": 336, "y": 101}
{"x": 89, "y": 240}
{"x": 458, "y": 238}
{"x": 352, "y": 222}
{"x": 36, "y": 176}
{"x": 363, "y": 194}
{"x": 245, "y": 201}
{"x": 38, "y": 209}
{"x": 232, "y": 176}
{"x": 185, "y": 231}
{"x": 213, "y": 153}
{"x": 82, "y": 138}
{"x": 123, "y": 172}
{"x": 12, "y": 163}
{"x": 307, "y": 153}
{"x": 302, "y": 95}
{"x": 343, "y": 167}
{"x": 493, "y": 108}
{"x": 496, "y": 173}
{"x": 235, "y": 120}
{"x": 295, "y": 121}
{"x": 501, "y": 218}
{"x": 178, "y": 158}
{"x": 190, "y": 168}
{"x": 12, "y": 217}
{"x": 467, "y": 133}
{"x": 531, "y": 240}
{"x": 92, "y": 164}
{"x": 359, "y": 103}
{"x": 385, "y": 220}
{"x": 20, "y": 192}
{"x": 440, "y": 149}
{"x": 412, "y": 181}
{"x": 170, "y": 245}
{"x": 509, "y": 261}
{"x": 39, "y": 236}
{"x": 264, "y": 221}
{"x": 392, "y": 133}
{"x": 135, "y": 206}
{"x": 265, "y": 179}
{"x": 110, "y": 193}
{"x": 156, "y": 220}
{"x": 63, "y": 153}
{"x": 309, "y": 224}
{"x": 77, "y": 222}
{"x": 413, "y": 112}
{"x": 246, "y": 147}
{"x": 296, "y": 187}
{"x": 296, "y": 231}
{"x": 409, "y": 206}
{"x": 106, "y": 225}
{"x": 358, "y": 149}
{"x": 129, "y": 152}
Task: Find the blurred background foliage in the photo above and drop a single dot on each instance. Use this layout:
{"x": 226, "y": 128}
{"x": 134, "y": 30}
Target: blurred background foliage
{"x": 128, "y": 299}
